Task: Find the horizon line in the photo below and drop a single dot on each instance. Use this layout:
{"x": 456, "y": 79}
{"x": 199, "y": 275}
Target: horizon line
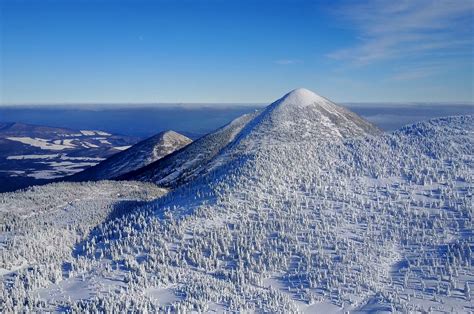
{"x": 217, "y": 104}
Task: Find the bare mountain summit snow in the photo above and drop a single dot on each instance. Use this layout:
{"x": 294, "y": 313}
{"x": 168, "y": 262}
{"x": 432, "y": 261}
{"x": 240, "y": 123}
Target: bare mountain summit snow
{"x": 304, "y": 114}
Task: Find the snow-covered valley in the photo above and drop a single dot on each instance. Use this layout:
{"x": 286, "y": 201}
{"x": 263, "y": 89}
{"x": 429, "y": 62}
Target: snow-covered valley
{"x": 302, "y": 207}
{"x": 33, "y": 154}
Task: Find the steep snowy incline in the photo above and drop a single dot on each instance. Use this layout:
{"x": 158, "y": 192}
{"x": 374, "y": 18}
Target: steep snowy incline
{"x": 137, "y": 156}
{"x": 296, "y": 118}
{"x": 371, "y": 224}
{"x": 185, "y": 164}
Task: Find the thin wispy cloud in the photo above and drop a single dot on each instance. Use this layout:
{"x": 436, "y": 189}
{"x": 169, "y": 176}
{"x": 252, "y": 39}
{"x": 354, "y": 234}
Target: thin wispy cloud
{"x": 415, "y": 73}
{"x": 407, "y": 29}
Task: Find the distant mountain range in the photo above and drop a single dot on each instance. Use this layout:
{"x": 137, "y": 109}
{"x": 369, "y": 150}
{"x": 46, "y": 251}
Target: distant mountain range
{"x": 31, "y": 154}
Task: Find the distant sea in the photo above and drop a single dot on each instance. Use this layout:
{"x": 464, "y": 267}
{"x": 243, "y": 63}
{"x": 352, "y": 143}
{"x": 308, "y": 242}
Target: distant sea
{"x": 197, "y": 120}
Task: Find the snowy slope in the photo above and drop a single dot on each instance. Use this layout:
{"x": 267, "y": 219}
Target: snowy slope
{"x": 41, "y": 229}
{"x": 185, "y": 164}
{"x": 366, "y": 224}
{"x": 139, "y": 155}
{"x": 342, "y": 220}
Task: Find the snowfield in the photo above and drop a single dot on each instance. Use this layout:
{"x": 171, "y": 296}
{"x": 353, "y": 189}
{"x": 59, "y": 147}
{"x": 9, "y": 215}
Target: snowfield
{"x": 41, "y": 143}
{"x": 304, "y": 208}
{"x": 89, "y": 133}
{"x": 53, "y": 156}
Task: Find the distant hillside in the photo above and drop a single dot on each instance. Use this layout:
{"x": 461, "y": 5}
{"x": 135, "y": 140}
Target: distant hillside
{"x": 139, "y": 155}
{"x": 32, "y": 154}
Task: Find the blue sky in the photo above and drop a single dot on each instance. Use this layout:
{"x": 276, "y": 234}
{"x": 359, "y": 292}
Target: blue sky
{"x": 107, "y": 51}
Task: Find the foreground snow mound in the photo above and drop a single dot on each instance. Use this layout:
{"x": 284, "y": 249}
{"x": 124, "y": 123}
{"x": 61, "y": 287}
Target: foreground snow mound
{"x": 137, "y": 156}
{"x": 279, "y": 222}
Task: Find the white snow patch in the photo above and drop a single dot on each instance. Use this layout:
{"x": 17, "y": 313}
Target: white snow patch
{"x": 92, "y": 133}
{"x": 42, "y": 143}
{"x": 122, "y": 147}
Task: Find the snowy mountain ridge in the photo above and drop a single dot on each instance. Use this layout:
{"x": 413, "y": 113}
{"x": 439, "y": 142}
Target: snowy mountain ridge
{"x": 139, "y": 155}
{"x": 187, "y": 163}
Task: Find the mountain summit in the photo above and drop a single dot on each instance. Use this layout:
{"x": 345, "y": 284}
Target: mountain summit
{"x": 297, "y": 117}
{"x": 302, "y": 114}
{"x": 300, "y": 97}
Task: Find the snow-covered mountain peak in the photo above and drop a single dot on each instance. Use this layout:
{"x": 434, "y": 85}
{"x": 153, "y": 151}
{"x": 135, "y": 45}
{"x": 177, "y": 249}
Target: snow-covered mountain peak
{"x": 298, "y": 117}
{"x": 167, "y": 142}
{"x": 170, "y": 134}
{"x": 300, "y": 97}
{"x": 303, "y": 115}
{"x": 139, "y": 155}
{"x": 303, "y": 105}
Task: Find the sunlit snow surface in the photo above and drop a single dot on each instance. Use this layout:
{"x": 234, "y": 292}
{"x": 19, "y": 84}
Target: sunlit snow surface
{"x": 280, "y": 222}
